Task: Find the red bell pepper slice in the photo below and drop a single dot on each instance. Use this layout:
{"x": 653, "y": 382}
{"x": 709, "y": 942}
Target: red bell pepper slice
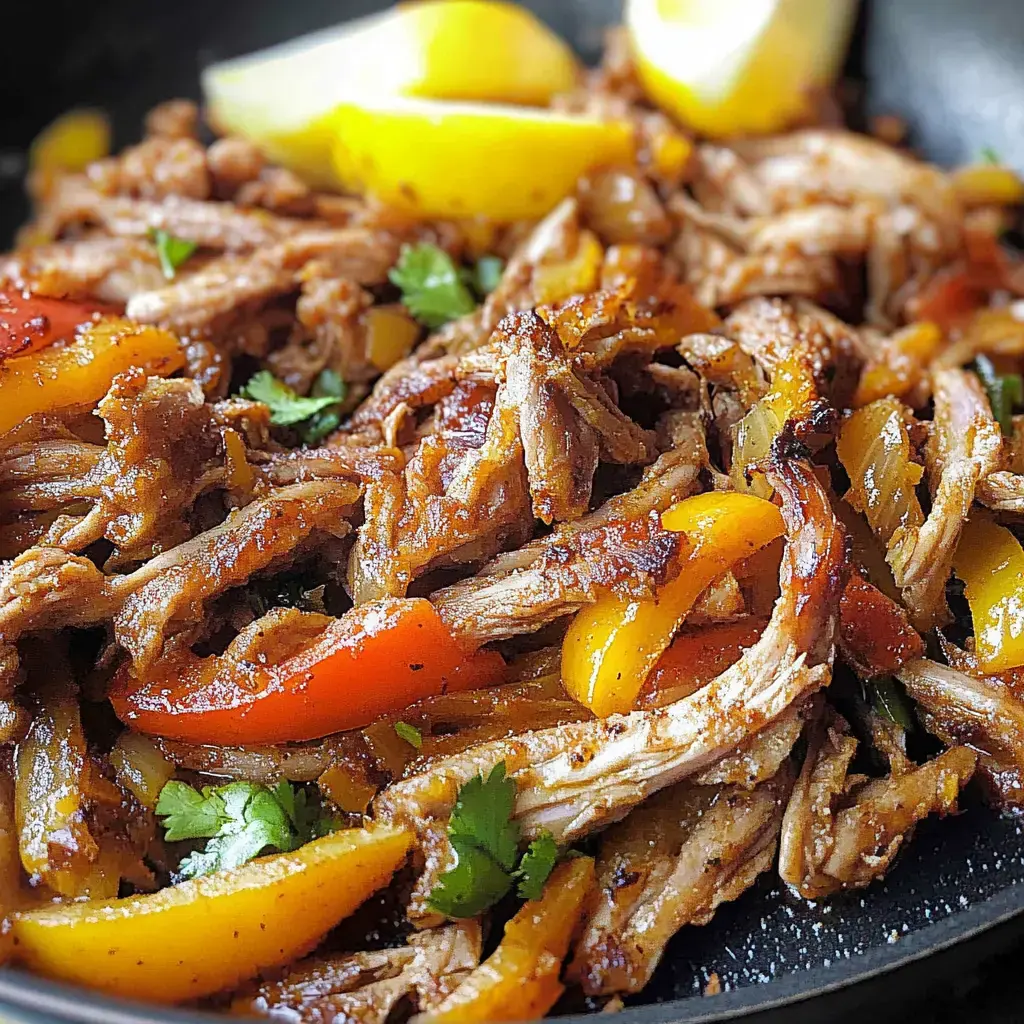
{"x": 377, "y": 658}
{"x": 31, "y": 322}
{"x": 696, "y": 656}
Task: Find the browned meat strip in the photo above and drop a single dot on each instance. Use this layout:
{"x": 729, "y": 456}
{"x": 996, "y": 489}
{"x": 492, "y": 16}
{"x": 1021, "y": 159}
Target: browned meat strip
{"x": 46, "y": 472}
{"x": 985, "y": 714}
{"x": 168, "y": 594}
{"x": 964, "y": 448}
{"x": 208, "y": 224}
{"x": 631, "y": 557}
{"x": 363, "y": 988}
{"x": 462, "y": 498}
{"x": 672, "y": 862}
{"x": 109, "y": 269}
{"x": 842, "y": 831}
{"x": 197, "y": 300}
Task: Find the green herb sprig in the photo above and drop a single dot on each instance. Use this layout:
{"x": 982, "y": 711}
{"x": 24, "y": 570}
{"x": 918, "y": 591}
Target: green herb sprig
{"x": 485, "y": 840}
{"x": 240, "y": 820}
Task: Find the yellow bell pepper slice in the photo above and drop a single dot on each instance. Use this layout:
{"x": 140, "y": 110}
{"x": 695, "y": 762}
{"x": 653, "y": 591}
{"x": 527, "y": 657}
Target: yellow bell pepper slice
{"x": 987, "y": 184}
{"x": 69, "y": 144}
{"x": 519, "y": 981}
{"x": 210, "y": 933}
{"x": 613, "y": 644}
{"x": 990, "y": 561}
{"x": 80, "y": 373}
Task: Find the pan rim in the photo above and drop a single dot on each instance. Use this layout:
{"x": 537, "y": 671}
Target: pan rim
{"x": 68, "y": 1004}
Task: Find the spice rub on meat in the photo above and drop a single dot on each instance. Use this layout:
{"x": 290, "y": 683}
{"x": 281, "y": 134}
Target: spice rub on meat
{"x": 434, "y": 548}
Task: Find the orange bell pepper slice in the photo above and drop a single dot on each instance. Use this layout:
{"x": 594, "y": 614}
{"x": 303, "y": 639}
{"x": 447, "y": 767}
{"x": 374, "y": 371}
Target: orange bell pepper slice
{"x": 379, "y": 657}
{"x": 80, "y": 373}
{"x": 519, "y": 981}
{"x": 613, "y": 644}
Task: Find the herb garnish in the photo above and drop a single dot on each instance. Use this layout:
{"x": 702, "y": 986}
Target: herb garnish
{"x": 240, "y": 820}
{"x": 433, "y": 288}
{"x": 485, "y": 841}
{"x": 313, "y": 417}
{"x": 409, "y": 733}
{"x": 171, "y": 251}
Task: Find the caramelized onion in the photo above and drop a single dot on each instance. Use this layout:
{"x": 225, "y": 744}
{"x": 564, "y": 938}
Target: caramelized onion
{"x": 140, "y": 767}
{"x": 874, "y": 448}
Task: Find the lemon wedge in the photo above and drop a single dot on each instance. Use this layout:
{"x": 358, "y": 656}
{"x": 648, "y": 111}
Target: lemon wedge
{"x": 440, "y": 159}
{"x": 728, "y": 67}
{"x": 477, "y": 50}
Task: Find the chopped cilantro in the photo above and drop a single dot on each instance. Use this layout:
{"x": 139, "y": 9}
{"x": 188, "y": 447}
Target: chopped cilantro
{"x": 537, "y": 863}
{"x": 409, "y": 733}
{"x": 240, "y": 820}
{"x": 485, "y": 842}
{"x": 313, "y": 417}
{"x": 1004, "y": 390}
{"x": 483, "y": 816}
{"x": 474, "y": 883}
{"x": 433, "y": 289}
{"x": 328, "y": 384}
{"x": 171, "y": 251}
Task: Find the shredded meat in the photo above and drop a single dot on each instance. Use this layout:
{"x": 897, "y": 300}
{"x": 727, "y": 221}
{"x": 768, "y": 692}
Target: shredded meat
{"x": 574, "y": 777}
{"x": 366, "y": 987}
{"x": 672, "y": 862}
{"x": 842, "y": 831}
{"x": 984, "y": 714}
{"x": 770, "y": 315}
{"x": 47, "y": 588}
{"x": 964, "y": 447}
{"x": 163, "y": 451}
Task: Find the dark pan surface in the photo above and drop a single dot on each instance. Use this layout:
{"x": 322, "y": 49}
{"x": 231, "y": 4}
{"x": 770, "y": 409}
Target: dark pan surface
{"x": 956, "y": 71}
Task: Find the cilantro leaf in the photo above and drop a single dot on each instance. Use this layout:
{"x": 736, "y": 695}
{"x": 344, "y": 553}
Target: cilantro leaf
{"x": 327, "y": 384}
{"x": 409, "y": 733}
{"x": 171, "y": 251}
{"x": 432, "y": 288}
{"x": 240, "y": 820}
{"x": 538, "y": 862}
{"x": 989, "y": 155}
{"x": 289, "y": 409}
{"x": 189, "y": 814}
{"x": 487, "y": 274}
{"x": 472, "y": 885}
{"x": 485, "y": 839}
{"x": 483, "y": 816}
{"x": 1004, "y": 390}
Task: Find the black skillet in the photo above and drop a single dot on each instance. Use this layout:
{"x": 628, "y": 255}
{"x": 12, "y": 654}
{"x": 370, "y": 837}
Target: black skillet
{"x": 956, "y": 71}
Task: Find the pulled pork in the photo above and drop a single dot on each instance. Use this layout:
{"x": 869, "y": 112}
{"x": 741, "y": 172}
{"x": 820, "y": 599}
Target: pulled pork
{"x": 815, "y": 319}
